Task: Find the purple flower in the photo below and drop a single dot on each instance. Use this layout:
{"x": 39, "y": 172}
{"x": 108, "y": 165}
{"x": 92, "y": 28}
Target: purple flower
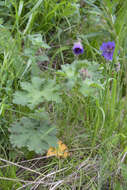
{"x": 78, "y": 48}
{"x": 107, "y": 49}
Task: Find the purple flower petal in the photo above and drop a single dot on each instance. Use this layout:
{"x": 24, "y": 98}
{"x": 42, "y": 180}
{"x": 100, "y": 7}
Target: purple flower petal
{"x": 78, "y": 48}
{"x": 107, "y": 49}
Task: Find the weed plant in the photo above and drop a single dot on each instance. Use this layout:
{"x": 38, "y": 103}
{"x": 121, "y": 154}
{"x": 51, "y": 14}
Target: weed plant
{"x": 63, "y": 77}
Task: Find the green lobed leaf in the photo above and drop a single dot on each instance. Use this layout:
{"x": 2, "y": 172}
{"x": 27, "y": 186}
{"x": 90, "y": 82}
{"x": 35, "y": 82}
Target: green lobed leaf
{"x": 36, "y": 92}
{"x": 83, "y": 75}
{"x": 36, "y": 40}
{"x": 36, "y": 135}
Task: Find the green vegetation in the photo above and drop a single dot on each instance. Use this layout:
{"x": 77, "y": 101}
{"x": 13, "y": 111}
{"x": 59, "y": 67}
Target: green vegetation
{"x": 48, "y": 93}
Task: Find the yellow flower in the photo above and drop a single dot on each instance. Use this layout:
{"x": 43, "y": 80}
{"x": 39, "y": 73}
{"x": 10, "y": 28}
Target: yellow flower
{"x": 61, "y": 151}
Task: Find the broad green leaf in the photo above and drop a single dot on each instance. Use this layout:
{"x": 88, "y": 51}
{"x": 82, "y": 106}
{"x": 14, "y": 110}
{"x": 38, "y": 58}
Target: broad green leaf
{"x": 36, "y": 92}
{"x": 36, "y": 135}
{"x": 83, "y": 75}
{"x": 36, "y": 40}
